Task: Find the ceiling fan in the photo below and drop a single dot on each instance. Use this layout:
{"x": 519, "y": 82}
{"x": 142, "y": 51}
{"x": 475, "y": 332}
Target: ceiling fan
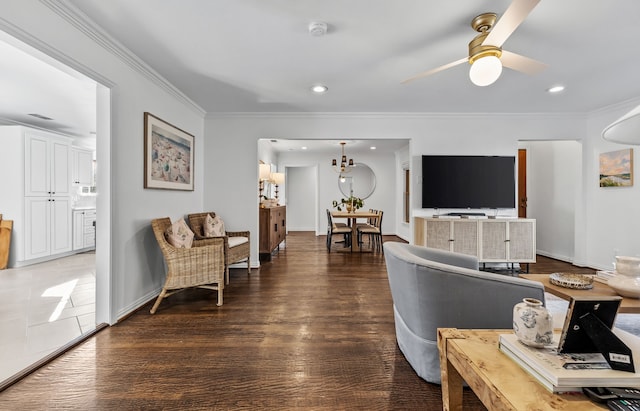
{"x": 486, "y": 55}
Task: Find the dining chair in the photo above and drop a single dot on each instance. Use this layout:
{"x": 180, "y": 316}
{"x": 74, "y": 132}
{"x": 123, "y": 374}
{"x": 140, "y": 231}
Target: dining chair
{"x": 370, "y": 221}
{"x": 374, "y": 231}
{"x": 333, "y": 229}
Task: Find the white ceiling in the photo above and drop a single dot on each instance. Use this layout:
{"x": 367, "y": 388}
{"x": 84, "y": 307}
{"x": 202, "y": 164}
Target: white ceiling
{"x": 33, "y": 83}
{"x": 257, "y": 56}
{"x": 332, "y": 148}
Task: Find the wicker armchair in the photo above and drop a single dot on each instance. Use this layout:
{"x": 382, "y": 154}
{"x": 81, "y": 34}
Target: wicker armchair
{"x": 201, "y": 266}
{"x": 236, "y": 249}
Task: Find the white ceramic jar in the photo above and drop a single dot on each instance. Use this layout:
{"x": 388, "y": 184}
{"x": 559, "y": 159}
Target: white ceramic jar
{"x": 532, "y": 323}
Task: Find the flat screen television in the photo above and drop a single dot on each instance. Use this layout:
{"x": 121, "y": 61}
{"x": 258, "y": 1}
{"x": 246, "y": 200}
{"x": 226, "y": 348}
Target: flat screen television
{"x": 468, "y": 181}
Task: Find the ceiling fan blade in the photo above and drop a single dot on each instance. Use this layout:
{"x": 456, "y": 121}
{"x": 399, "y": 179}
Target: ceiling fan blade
{"x": 521, "y": 63}
{"x": 515, "y": 14}
{"x": 435, "y": 70}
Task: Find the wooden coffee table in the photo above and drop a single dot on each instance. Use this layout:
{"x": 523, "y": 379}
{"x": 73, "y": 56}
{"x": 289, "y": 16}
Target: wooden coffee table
{"x": 498, "y": 381}
{"x": 627, "y": 305}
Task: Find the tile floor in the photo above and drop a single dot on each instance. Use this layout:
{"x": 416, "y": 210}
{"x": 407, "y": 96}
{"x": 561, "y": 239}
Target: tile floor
{"x": 43, "y": 307}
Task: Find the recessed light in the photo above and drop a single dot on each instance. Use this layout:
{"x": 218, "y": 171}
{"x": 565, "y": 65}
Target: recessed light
{"x": 304, "y": 147}
{"x": 373, "y": 147}
{"x": 319, "y": 89}
{"x": 555, "y": 89}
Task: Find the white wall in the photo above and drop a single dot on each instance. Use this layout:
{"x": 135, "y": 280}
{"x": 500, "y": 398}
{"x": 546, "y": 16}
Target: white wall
{"x": 135, "y": 259}
{"x": 383, "y": 166}
{"x": 554, "y": 168}
{"x": 611, "y": 218}
{"x": 488, "y": 134}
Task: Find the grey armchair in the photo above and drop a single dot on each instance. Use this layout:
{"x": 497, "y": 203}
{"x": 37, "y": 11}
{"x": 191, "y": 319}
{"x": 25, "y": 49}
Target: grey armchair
{"x": 434, "y": 289}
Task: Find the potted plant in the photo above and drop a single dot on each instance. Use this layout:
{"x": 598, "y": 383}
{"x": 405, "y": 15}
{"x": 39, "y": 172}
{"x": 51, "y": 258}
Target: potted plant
{"x": 351, "y": 204}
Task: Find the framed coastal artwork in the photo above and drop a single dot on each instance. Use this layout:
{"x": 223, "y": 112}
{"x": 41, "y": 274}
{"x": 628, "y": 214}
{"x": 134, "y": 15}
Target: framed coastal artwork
{"x": 168, "y": 155}
{"x": 616, "y": 168}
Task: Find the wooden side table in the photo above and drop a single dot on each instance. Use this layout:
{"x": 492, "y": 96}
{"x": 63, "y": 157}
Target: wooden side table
{"x": 498, "y": 381}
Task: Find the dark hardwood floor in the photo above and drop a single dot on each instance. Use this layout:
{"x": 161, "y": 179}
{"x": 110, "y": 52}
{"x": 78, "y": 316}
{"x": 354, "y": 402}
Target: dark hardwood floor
{"x": 308, "y": 330}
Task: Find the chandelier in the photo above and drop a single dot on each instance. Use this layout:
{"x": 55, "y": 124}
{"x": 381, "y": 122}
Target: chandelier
{"x": 345, "y": 167}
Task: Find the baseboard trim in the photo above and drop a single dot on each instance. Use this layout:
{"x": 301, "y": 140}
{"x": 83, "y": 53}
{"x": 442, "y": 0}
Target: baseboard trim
{"x": 566, "y": 259}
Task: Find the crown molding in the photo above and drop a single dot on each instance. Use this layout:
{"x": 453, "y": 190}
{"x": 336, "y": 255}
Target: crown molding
{"x": 88, "y": 27}
{"x": 389, "y": 115}
{"x": 623, "y": 105}
{"x": 50, "y": 52}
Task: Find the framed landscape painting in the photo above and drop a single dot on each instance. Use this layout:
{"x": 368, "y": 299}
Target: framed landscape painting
{"x": 168, "y": 155}
{"x": 616, "y": 168}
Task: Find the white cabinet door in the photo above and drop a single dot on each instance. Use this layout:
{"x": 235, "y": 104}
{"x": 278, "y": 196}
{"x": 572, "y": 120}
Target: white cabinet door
{"x": 82, "y": 173}
{"x": 47, "y": 166}
{"x": 36, "y": 167}
{"x": 37, "y": 227}
{"x": 60, "y": 225}
{"x": 89, "y": 228}
{"x": 78, "y": 230}
{"x": 47, "y": 226}
{"x": 60, "y": 169}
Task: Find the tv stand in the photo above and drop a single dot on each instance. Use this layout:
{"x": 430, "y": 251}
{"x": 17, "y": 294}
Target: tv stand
{"x": 466, "y": 214}
{"x": 496, "y": 240}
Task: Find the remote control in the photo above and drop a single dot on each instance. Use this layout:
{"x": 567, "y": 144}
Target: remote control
{"x": 624, "y": 405}
{"x": 627, "y": 393}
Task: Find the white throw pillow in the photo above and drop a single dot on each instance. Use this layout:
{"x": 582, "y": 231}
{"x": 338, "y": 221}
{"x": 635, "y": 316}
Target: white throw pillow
{"x": 179, "y": 234}
{"x": 214, "y": 226}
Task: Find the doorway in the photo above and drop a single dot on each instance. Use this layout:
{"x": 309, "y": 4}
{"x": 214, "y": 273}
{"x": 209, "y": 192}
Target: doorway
{"x": 522, "y": 183}
{"x": 88, "y": 275}
{"x": 303, "y": 182}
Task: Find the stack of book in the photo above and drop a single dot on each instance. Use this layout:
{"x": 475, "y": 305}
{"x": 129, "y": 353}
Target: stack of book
{"x": 603, "y": 276}
{"x": 566, "y": 372}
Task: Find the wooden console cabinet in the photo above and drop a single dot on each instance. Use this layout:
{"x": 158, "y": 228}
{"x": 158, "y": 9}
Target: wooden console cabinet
{"x": 500, "y": 240}
{"x": 273, "y": 229}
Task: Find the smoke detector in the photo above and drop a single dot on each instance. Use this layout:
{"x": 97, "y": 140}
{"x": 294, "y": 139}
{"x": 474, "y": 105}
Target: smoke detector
{"x": 317, "y": 28}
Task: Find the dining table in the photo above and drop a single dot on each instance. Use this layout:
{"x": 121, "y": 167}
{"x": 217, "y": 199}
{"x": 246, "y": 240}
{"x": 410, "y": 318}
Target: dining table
{"x": 352, "y": 218}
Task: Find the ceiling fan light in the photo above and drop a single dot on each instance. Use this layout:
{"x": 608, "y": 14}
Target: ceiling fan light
{"x": 485, "y": 71}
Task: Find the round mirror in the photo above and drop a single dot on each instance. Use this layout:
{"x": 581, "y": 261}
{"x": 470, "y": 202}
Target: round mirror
{"x": 359, "y": 182}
